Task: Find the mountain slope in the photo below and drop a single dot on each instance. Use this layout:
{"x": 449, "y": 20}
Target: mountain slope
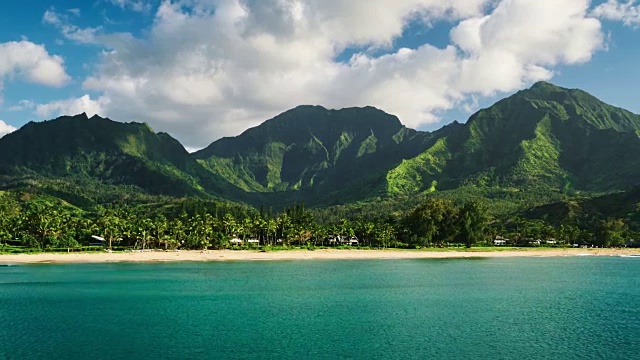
{"x": 316, "y": 151}
{"x": 80, "y": 149}
{"x": 539, "y": 146}
{"x": 544, "y": 137}
{"x": 623, "y": 205}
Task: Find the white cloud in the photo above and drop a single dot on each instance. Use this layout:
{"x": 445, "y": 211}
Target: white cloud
{"x": 207, "y": 69}
{"x": 626, "y": 11}
{"x": 135, "y": 5}
{"x": 521, "y": 41}
{"x": 6, "y": 128}
{"x": 73, "y": 106}
{"x": 32, "y": 62}
{"x": 68, "y": 30}
{"x": 23, "y": 105}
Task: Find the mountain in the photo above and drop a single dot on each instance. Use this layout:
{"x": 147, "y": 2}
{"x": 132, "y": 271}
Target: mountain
{"x": 539, "y": 146}
{"x": 545, "y": 137}
{"x": 316, "y": 152}
{"x": 78, "y": 151}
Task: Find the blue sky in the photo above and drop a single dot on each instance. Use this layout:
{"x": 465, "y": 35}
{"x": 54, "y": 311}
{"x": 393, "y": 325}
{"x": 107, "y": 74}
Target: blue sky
{"x": 205, "y": 69}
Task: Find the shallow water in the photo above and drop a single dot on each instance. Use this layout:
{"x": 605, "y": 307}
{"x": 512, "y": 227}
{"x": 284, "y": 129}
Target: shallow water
{"x": 527, "y": 308}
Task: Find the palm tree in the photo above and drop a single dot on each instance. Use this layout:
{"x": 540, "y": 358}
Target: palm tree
{"x": 177, "y": 231}
{"x": 229, "y": 224}
{"x": 160, "y": 226}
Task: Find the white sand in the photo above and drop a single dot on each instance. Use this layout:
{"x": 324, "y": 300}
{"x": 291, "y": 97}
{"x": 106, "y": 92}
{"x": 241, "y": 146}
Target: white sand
{"x": 324, "y": 254}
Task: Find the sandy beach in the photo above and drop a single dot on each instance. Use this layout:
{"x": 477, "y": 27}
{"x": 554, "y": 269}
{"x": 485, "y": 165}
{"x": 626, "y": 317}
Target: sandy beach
{"x": 323, "y": 254}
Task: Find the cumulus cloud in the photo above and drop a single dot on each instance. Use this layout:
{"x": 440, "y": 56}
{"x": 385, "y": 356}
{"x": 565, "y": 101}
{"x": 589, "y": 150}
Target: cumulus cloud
{"x": 207, "y": 69}
{"x": 626, "y": 11}
{"x": 31, "y": 62}
{"x": 6, "y": 128}
{"x": 73, "y": 106}
{"x": 521, "y": 41}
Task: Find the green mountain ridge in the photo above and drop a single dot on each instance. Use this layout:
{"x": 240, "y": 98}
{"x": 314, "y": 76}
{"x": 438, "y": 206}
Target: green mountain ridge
{"x": 546, "y": 136}
{"x": 309, "y": 146}
{"x": 538, "y": 146}
{"x": 87, "y": 152}
{"x": 316, "y": 152}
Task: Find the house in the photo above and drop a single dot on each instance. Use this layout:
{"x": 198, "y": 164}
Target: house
{"x": 343, "y": 240}
{"x": 500, "y": 241}
{"x": 333, "y": 239}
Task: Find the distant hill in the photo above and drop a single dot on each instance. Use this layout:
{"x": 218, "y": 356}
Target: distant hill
{"x": 536, "y": 147}
{"x": 622, "y": 205}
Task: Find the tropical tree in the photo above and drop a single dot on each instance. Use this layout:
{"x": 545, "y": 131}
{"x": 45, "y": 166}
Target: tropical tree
{"x": 473, "y": 220}
{"x": 610, "y": 232}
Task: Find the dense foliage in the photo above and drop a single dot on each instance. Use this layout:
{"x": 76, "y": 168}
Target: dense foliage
{"x": 42, "y": 222}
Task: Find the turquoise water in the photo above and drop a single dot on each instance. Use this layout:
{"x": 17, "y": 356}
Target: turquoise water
{"x": 530, "y": 308}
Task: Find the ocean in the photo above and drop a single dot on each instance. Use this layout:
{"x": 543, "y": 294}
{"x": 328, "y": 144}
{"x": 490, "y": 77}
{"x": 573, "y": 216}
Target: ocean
{"x": 500, "y": 308}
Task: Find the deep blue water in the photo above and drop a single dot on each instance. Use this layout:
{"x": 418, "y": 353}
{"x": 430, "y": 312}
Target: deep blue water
{"x": 525, "y": 308}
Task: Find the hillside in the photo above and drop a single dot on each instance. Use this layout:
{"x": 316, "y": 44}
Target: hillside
{"x": 81, "y": 154}
{"x": 317, "y": 153}
{"x": 622, "y": 205}
{"x": 539, "y": 146}
{"x": 545, "y": 137}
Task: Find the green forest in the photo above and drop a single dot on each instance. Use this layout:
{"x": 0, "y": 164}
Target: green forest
{"x": 31, "y": 223}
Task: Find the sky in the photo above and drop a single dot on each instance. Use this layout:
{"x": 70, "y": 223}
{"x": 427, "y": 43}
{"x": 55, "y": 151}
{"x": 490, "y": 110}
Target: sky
{"x": 204, "y": 69}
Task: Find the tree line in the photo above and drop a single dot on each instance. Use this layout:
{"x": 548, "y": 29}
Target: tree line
{"x": 36, "y": 223}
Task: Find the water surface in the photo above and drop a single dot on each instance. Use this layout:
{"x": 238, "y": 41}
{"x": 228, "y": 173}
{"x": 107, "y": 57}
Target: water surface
{"x": 526, "y": 308}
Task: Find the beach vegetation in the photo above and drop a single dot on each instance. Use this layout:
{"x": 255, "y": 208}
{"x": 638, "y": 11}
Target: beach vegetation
{"x": 37, "y": 222}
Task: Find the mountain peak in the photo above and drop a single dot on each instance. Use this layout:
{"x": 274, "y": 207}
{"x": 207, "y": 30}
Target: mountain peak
{"x": 310, "y": 147}
{"x": 544, "y": 98}
{"x": 311, "y": 108}
{"x": 312, "y": 121}
{"x": 318, "y": 120}
{"x": 545, "y": 91}
{"x": 545, "y": 85}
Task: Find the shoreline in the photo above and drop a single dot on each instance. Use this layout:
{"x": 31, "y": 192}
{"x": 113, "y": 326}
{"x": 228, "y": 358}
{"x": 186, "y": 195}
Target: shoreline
{"x": 288, "y": 255}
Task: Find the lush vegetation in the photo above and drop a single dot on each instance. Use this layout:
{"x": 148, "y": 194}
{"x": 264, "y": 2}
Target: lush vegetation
{"x": 314, "y": 155}
{"x": 546, "y": 163}
{"x": 541, "y": 145}
{"x": 81, "y": 153}
{"x": 39, "y": 222}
